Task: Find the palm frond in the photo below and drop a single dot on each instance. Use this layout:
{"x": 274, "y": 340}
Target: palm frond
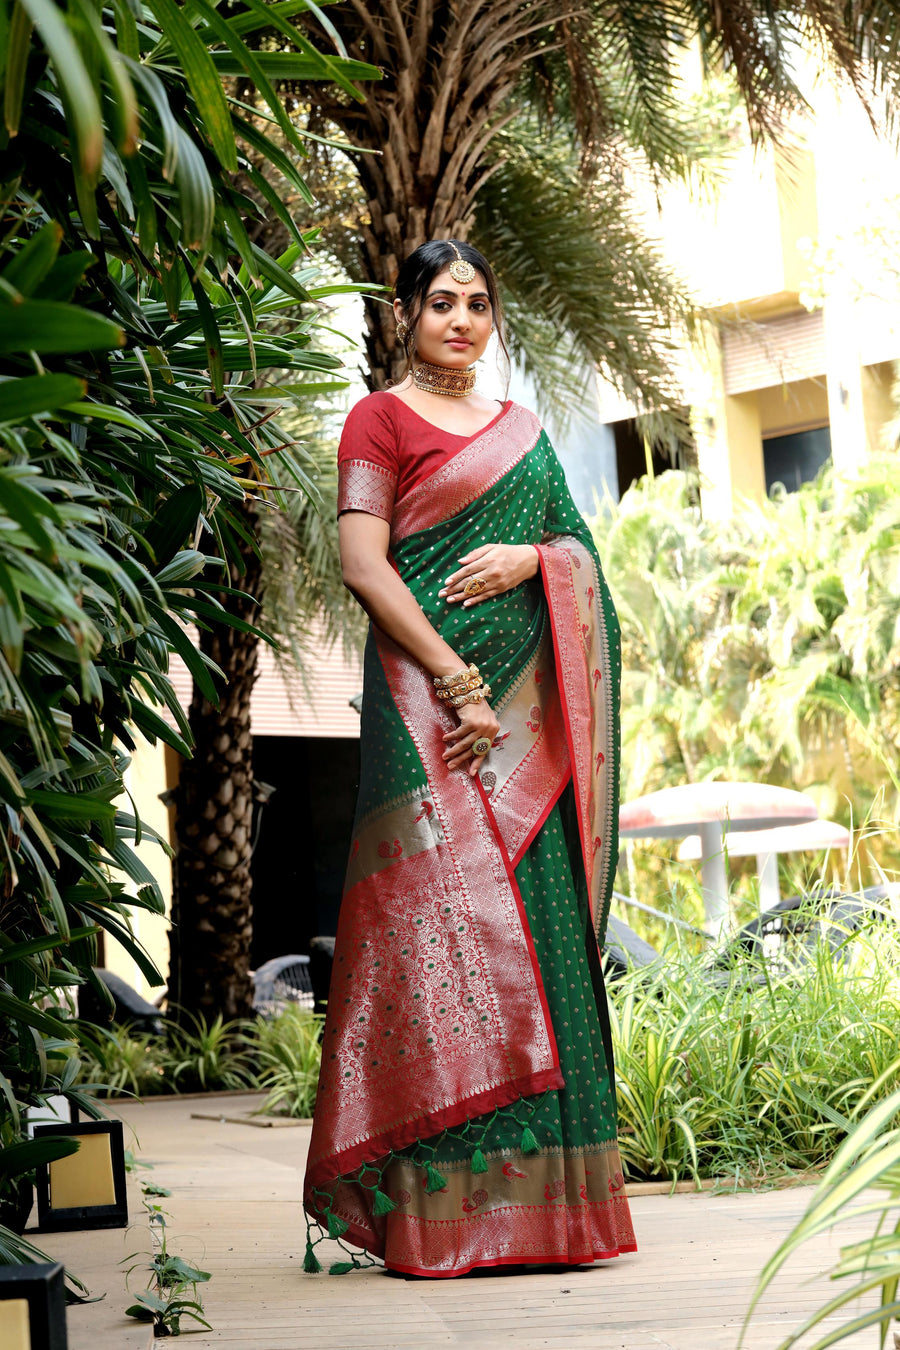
{"x": 581, "y": 283}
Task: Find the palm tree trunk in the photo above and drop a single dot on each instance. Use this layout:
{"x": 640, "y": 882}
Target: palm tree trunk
{"x": 212, "y": 909}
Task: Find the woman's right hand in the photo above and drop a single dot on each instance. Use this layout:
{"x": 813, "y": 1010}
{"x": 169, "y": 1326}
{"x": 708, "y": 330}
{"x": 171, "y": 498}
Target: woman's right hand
{"x": 475, "y": 720}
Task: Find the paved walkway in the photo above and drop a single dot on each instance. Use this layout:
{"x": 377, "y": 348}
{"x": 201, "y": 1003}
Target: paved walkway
{"x": 235, "y": 1212}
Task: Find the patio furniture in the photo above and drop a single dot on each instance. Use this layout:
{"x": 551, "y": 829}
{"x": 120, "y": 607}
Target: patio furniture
{"x": 625, "y": 950}
{"x": 710, "y": 809}
{"x": 283, "y": 980}
{"x": 788, "y": 935}
{"x": 129, "y": 1006}
{"x": 767, "y": 844}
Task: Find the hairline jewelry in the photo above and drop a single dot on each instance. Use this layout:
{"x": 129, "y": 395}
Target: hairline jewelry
{"x": 460, "y": 270}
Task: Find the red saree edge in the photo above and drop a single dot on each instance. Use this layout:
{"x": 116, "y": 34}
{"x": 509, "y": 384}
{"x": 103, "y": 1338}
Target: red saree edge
{"x": 371, "y": 1150}
{"x": 542, "y": 821}
{"x": 564, "y": 704}
{"x": 550, "y": 1259}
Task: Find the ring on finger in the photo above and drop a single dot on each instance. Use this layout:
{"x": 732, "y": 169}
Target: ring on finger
{"x": 481, "y": 747}
{"x": 474, "y": 586}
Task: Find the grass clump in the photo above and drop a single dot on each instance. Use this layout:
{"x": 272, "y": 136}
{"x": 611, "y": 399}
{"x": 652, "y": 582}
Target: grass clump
{"x": 747, "y": 1075}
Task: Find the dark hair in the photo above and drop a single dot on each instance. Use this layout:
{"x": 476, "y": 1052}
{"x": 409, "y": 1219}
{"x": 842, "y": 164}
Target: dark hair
{"x": 419, "y": 270}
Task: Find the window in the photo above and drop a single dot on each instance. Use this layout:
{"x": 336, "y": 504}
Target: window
{"x": 796, "y": 458}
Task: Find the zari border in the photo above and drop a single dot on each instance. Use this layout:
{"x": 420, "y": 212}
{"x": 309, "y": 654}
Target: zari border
{"x": 585, "y": 640}
{"x": 468, "y": 475}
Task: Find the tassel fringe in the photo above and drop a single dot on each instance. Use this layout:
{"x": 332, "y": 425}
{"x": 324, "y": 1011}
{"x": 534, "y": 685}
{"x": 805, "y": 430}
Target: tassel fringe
{"x": 311, "y": 1263}
{"x": 529, "y": 1143}
{"x": 383, "y": 1203}
{"x": 336, "y": 1226}
{"x": 435, "y": 1181}
{"x": 479, "y": 1162}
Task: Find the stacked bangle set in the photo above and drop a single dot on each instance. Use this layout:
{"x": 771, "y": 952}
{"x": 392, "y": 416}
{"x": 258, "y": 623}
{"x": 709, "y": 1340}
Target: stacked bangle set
{"x": 466, "y": 686}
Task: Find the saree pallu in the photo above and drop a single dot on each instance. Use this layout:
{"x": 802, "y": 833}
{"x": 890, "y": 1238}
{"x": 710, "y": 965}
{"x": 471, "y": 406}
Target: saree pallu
{"x": 466, "y": 1110}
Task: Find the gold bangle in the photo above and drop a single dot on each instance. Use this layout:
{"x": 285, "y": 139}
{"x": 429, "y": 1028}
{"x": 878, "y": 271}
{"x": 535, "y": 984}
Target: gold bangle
{"x": 446, "y": 681}
{"x": 474, "y": 696}
{"x": 463, "y": 687}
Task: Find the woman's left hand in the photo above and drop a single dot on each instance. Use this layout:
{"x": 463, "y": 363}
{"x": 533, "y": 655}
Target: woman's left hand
{"x": 499, "y": 566}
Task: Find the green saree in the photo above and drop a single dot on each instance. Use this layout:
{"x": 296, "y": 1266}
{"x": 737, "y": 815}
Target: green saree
{"x": 466, "y": 1108}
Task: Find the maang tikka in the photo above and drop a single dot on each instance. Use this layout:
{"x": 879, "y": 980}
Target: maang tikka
{"x": 460, "y": 270}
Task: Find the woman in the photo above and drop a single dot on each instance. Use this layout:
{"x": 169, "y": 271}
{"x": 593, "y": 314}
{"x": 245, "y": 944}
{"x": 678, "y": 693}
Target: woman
{"x": 466, "y": 1110}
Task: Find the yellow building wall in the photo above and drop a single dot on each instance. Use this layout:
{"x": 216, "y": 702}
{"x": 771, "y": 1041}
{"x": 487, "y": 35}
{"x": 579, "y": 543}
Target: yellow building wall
{"x": 145, "y": 779}
{"x": 879, "y": 411}
{"x": 798, "y": 405}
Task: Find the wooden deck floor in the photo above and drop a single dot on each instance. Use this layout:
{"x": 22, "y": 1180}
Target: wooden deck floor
{"x": 235, "y": 1212}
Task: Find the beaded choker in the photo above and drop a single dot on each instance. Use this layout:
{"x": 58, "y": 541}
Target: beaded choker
{"x": 444, "y": 379}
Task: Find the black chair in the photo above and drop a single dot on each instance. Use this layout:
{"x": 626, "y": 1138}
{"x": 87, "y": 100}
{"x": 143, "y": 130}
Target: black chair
{"x": 129, "y": 1005}
{"x": 788, "y": 934}
{"x": 624, "y": 950}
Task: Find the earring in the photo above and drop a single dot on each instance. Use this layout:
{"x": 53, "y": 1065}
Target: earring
{"x": 402, "y": 331}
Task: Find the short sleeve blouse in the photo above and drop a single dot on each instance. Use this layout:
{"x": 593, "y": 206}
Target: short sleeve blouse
{"x": 386, "y": 449}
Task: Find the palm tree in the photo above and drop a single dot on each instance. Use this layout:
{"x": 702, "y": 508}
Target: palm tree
{"x": 521, "y": 121}
{"x": 462, "y": 78}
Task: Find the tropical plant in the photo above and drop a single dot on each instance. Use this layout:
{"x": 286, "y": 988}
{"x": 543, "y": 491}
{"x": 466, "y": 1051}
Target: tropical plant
{"x": 287, "y": 1051}
{"x": 764, "y": 647}
{"x": 746, "y": 1074}
{"x": 136, "y": 331}
{"x": 207, "y": 1056}
{"x": 464, "y": 77}
{"x": 120, "y": 1060}
{"x": 868, "y": 1160}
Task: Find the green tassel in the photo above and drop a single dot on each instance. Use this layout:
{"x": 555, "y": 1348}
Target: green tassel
{"x": 435, "y": 1181}
{"x": 340, "y": 1268}
{"x": 311, "y": 1261}
{"x": 383, "y": 1203}
{"x": 336, "y": 1227}
{"x": 529, "y": 1143}
{"x": 479, "y": 1161}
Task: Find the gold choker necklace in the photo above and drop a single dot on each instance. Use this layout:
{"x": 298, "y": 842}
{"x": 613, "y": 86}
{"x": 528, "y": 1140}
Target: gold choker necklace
{"x": 444, "y": 380}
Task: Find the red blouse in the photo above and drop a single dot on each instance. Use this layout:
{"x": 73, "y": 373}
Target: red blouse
{"x": 386, "y": 449}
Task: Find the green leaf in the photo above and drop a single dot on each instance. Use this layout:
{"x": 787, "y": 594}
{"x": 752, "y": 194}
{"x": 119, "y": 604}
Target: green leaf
{"x": 37, "y": 394}
{"x": 202, "y": 78}
{"x": 18, "y": 51}
{"x": 195, "y": 192}
{"x": 292, "y": 66}
{"x": 47, "y": 326}
{"x": 200, "y": 666}
{"x": 31, "y": 263}
{"x": 175, "y": 522}
{"x": 211, "y": 337}
{"x": 250, "y": 64}
{"x": 19, "y": 1011}
{"x": 68, "y": 806}
{"x": 17, "y": 951}
{"x": 63, "y": 278}
{"x": 17, "y": 1159}
{"x": 278, "y": 275}
{"x": 30, "y": 510}
{"x": 76, "y": 87}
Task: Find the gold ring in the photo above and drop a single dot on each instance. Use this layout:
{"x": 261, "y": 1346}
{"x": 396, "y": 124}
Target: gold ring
{"x": 474, "y": 586}
{"x": 481, "y": 747}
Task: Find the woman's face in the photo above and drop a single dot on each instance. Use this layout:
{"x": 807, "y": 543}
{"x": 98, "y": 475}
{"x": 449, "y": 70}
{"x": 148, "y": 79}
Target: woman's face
{"x": 455, "y": 323}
